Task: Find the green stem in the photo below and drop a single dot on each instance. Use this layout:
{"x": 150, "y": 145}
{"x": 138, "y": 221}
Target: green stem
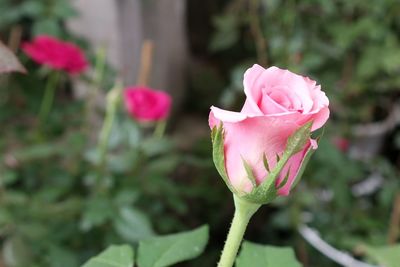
{"x": 48, "y": 97}
{"x": 96, "y": 82}
{"x": 100, "y": 66}
{"x": 244, "y": 210}
{"x": 111, "y": 109}
{"x": 160, "y": 129}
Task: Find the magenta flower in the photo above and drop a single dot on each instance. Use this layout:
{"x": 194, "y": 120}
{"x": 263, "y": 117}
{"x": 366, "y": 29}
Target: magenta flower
{"x": 56, "y": 54}
{"x": 147, "y": 105}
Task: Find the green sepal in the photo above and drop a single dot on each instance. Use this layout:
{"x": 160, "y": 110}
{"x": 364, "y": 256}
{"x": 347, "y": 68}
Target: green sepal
{"x": 217, "y": 138}
{"x": 266, "y": 165}
{"x": 285, "y": 180}
{"x": 307, "y": 157}
{"x": 267, "y": 191}
{"x": 249, "y": 171}
{"x": 299, "y": 139}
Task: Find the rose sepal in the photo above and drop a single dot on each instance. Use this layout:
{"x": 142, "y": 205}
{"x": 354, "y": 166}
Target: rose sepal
{"x": 267, "y": 191}
{"x": 217, "y": 138}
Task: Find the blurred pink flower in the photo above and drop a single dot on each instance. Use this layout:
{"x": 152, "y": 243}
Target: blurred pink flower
{"x": 56, "y": 54}
{"x": 145, "y": 104}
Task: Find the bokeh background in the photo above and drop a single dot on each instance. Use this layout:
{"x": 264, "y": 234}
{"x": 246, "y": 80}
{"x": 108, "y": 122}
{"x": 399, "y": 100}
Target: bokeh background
{"x": 54, "y": 213}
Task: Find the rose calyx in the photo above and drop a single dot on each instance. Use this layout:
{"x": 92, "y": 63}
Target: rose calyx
{"x": 266, "y": 191}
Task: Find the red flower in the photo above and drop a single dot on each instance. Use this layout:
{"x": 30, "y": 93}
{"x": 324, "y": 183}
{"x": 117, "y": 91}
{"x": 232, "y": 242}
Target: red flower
{"x": 56, "y": 54}
{"x": 146, "y": 104}
{"x": 341, "y": 143}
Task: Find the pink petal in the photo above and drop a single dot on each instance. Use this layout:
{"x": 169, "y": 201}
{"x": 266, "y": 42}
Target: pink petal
{"x": 250, "y": 139}
{"x": 294, "y": 165}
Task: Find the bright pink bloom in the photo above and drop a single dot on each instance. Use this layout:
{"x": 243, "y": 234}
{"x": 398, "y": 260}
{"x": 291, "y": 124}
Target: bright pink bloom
{"x": 56, "y": 54}
{"x": 145, "y": 104}
{"x": 278, "y": 103}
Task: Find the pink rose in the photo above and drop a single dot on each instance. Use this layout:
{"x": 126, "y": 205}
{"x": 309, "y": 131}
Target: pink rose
{"x": 145, "y": 104}
{"x": 56, "y": 54}
{"x": 278, "y": 104}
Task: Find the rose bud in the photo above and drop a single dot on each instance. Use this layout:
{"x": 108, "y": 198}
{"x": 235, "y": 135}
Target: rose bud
{"x": 147, "y": 105}
{"x": 262, "y": 150}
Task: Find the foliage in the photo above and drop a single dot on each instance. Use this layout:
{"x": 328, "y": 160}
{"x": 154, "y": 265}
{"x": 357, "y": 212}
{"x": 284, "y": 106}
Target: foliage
{"x": 352, "y": 48}
{"x": 114, "y": 256}
{"x": 158, "y": 251}
{"x": 266, "y": 256}
{"x": 45, "y": 16}
{"x": 387, "y": 256}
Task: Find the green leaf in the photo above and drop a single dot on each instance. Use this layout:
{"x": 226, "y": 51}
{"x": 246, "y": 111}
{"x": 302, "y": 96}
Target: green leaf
{"x": 60, "y": 257}
{"x": 47, "y": 26}
{"x": 227, "y": 33}
{"x": 64, "y": 10}
{"x": 132, "y": 225}
{"x": 256, "y": 255}
{"x": 113, "y": 256}
{"x": 33, "y": 9}
{"x": 168, "y": 250}
{"x": 96, "y": 212}
{"x": 386, "y": 256}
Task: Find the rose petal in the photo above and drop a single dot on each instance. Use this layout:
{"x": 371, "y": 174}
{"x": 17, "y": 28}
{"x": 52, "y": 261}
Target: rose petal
{"x": 294, "y": 166}
{"x": 251, "y": 89}
{"x": 249, "y": 140}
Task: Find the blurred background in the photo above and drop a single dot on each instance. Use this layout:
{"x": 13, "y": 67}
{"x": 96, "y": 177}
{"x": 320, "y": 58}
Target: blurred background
{"x": 55, "y": 212}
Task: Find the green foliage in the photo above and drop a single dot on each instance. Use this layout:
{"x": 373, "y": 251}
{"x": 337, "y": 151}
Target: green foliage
{"x": 168, "y": 250}
{"x": 113, "y": 256}
{"x": 256, "y": 255}
{"x": 46, "y": 16}
{"x": 386, "y": 256}
{"x": 351, "y": 48}
{"x": 160, "y": 251}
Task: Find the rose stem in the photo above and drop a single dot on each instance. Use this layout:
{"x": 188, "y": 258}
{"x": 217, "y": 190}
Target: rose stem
{"x": 160, "y": 129}
{"x": 96, "y": 84}
{"x": 48, "y": 97}
{"x": 243, "y": 212}
{"x": 113, "y": 97}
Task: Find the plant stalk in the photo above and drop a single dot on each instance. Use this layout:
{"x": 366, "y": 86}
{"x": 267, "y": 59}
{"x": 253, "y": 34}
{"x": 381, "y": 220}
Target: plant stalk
{"x": 159, "y": 130}
{"x": 112, "y": 104}
{"x": 48, "y": 97}
{"x": 244, "y": 210}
